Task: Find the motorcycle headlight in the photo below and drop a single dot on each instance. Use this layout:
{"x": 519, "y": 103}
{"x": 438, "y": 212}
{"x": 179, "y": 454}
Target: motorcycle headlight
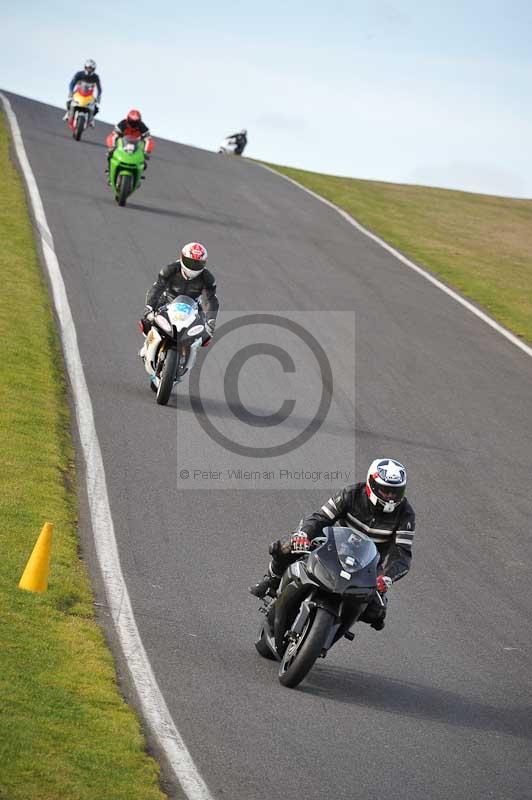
{"x": 163, "y": 323}
{"x": 196, "y": 329}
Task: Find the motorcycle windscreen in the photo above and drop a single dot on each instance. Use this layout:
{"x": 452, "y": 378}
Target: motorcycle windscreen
{"x": 345, "y": 559}
{"x": 182, "y": 312}
{"x": 129, "y": 144}
{"x": 355, "y": 550}
{"x": 84, "y": 89}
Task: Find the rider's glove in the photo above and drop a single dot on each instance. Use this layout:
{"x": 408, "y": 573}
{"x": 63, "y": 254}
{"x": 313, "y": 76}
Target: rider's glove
{"x": 383, "y": 583}
{"x": 299, "y": 542}
{"x": 210, "y": 326}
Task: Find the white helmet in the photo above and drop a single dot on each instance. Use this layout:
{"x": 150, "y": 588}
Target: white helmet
{"x": 90, "y": 65}
{"x": 386, "y": 483}
{"x": 193, "y": 260}
{"x": 243, "y": 132}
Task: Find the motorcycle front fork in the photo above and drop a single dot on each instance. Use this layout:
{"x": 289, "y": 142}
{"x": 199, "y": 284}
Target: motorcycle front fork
{"x": 182, "y": 361}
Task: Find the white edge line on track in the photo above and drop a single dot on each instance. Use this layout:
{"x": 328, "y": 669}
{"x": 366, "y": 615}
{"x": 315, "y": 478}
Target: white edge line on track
{"x": 153, "y": 706}
{"x": 459, "y": 299}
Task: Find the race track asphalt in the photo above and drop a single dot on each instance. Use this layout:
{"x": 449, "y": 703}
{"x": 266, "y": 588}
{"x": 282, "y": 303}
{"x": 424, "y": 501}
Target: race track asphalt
{"x": 436, "y": 706}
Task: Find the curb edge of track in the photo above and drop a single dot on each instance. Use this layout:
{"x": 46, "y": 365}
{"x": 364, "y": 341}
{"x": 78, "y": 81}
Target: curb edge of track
{"x": 152, "y": 703}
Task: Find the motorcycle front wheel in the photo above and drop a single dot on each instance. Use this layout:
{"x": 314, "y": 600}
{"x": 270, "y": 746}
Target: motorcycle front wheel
{"x": 301, "y": 653}
{"x": 126, "y": 187}
{"x": 80, "y": 126}
{"x": 166, "y": 380}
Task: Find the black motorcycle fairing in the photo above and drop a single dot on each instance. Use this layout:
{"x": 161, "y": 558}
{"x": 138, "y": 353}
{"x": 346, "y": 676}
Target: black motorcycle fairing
{"x": 358, "y": 577}
{"x": 321, "y": 580}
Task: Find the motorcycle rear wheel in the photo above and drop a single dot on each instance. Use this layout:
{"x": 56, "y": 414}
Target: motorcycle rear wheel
{"x": 166, "y": 380}
{"x": 299, "y": 656}
{"x": 80, "y": 127}
{"x": 126, "y": 187}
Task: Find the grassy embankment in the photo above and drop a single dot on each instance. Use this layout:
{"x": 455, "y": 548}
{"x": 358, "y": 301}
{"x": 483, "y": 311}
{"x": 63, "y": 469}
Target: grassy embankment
{"x": 479, "y": 244}
{"x": 65, "y": 731}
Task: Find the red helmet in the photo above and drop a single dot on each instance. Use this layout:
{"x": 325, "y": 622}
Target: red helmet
{"x": 193, "y": 259}
{"x": 133, "y": 117}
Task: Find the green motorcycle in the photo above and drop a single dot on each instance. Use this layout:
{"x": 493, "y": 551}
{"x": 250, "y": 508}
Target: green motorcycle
{"x": 126, "y": 167}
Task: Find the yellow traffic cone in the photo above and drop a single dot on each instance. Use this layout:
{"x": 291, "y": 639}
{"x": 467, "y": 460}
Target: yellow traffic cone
{"x": 35, "y": 576}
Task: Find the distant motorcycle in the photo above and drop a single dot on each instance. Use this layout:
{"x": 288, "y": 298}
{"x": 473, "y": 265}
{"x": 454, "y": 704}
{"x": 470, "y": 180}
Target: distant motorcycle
{"x": 230, "y": 147}
{"x": 127, "y": 164}
{"x": 320, "y": 598}
{"x": 81, "y": 111}
{"x": 171, "y": 345}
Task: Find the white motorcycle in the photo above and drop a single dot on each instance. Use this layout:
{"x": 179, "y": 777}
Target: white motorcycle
{"x": 228, "y": 146}
{"x": 172, "y": 343}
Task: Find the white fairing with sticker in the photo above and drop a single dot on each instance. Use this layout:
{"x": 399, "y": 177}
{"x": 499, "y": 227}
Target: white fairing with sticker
{"x": 152, "y": 342}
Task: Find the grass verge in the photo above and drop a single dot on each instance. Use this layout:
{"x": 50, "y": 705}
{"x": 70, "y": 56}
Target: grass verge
{"x": 65, "y": 731}
{"x": 479, "y": 244}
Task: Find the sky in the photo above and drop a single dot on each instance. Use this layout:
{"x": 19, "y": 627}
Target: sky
{"x": 412, "y": 92}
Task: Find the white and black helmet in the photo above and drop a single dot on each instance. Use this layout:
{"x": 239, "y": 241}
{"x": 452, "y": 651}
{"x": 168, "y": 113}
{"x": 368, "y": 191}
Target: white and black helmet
{"x": 193, "y": 260}
{"x": 386, "y": 483}
{"x": 90, "y": 65}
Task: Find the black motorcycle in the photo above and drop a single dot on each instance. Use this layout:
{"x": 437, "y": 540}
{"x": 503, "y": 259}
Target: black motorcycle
{"x": 320, "y": 598}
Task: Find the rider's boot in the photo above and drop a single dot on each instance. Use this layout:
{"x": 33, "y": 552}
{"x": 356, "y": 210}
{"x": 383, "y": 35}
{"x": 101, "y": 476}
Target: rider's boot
{"x": 268, "y": 585}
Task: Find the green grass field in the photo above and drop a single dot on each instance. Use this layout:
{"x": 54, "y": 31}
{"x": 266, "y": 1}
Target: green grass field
{"x": 479, "y": 244}
{"x": 65, "y": 731}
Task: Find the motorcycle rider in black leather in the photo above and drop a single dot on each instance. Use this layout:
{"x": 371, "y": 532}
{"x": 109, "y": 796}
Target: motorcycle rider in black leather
{"x": 241, "y": 140}
{"x": 187, "y": 276}
{"x": 377, "y": 508}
